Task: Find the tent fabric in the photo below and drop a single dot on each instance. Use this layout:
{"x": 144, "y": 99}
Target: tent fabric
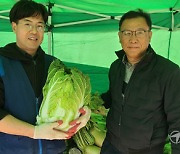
{"x": 83, "y": 33}
{"x": 63, "y": 11}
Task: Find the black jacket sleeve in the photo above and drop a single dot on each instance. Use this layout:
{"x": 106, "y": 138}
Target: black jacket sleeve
{"x": 172, "y": 107}
{"x": 107, "y": 99}
{"x": 107, "y": 95}
{"x": 3, "y": 113}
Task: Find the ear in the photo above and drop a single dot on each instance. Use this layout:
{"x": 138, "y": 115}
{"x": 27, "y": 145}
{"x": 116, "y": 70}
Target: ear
{"x": 150, "y": 35}
{"x": 14, "y": 26}
{"x": 119, "y": 35}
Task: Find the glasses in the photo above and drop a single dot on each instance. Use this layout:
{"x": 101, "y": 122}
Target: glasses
{"x": 29, "y": 27}
{"x": 138, "y": 33}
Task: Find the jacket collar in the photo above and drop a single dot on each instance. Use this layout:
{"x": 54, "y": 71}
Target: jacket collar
{"x": 146, "y": 59}
{"x": 12, "y": 51}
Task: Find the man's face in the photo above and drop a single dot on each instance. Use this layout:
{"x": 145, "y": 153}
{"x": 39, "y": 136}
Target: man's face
{"x": 134, "y": 38}
{"x": 29, "y": 33}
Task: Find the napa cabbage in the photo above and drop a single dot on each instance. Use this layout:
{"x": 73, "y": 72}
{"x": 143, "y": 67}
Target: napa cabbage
{"x": 66, "y": 90}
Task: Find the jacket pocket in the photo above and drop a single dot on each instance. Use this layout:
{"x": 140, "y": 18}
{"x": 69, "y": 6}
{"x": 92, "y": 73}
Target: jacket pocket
{"x": 137, "y": 133}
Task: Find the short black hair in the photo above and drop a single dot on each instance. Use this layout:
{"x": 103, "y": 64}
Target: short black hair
{"x": 26, "y": 8}
{"x": 134, "y": 14}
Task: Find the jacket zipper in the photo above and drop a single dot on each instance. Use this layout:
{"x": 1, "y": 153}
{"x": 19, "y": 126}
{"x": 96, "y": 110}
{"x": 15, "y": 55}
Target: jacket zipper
{"x": 35, "y": 76}
{"x": 122, "y": 109}
{"x": 124, "y": 96}
{"x": 39, "y": 140}
{"x": 37, "y": 107}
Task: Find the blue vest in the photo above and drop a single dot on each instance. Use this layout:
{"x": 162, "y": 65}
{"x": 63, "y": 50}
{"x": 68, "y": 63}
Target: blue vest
{"x": 20, "y": 101}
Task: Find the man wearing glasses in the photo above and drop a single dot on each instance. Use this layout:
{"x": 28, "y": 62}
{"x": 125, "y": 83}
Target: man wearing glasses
{"x": 143, "y": 94}
{"x": 23, "y": 71}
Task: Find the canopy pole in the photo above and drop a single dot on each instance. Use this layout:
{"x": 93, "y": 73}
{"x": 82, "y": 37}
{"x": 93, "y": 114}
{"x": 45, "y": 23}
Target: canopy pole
{"x": 3, "y": 17}
{"x": 50, "y": 28}
{"x": 5, "y": 11}
{"x": 81, "y": 22}
{"x": 82, "y": 11}
{"x": 169, "y": 44}
{"x": 171, "y": 29}
{"x": 49, "y": 43}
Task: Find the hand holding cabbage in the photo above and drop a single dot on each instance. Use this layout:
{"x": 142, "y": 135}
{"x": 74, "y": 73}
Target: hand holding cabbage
{"x": 81, "y": 121}
{"x": 48, "y": 131}
{"x": 65, "y": 92}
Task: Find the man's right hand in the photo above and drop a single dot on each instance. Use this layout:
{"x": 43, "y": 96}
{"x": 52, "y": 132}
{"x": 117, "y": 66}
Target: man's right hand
{"x": 47, "y": 131}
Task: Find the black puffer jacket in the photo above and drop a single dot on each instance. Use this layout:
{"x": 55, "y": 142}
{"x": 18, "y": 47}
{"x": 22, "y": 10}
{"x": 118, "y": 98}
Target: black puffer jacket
{"x": 150, "y": 107}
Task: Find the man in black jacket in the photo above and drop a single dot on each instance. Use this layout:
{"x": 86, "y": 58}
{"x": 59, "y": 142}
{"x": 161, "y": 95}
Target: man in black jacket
{"x": 143, "y": 94}
{"x": 23, "y": 71}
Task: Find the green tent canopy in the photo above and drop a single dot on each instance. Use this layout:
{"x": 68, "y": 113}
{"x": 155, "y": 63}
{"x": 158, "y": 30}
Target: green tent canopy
{"x": 83, "y": 33}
